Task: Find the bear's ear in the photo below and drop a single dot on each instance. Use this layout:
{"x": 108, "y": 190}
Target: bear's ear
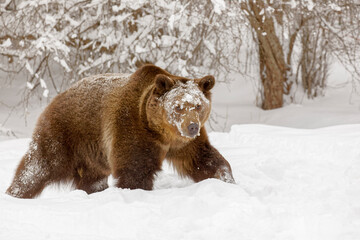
{"x": 206, "y": 83}
{"x": 163, "y": 83}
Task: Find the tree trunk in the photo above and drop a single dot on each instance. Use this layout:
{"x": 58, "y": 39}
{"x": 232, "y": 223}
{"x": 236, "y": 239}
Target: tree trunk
{"x": 271, "y": 56}
{"x": 272, "y": 80}
{"x": 314, "y": 59}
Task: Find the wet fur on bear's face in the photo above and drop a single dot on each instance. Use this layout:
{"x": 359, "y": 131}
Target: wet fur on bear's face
{"x": 183, "y": 104}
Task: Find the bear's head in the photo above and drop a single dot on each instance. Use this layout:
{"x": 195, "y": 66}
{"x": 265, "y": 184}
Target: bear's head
{"x": 183, "y": 104}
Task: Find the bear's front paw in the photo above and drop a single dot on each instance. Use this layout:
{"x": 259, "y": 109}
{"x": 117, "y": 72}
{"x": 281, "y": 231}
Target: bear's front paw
{"x": 224, "y": 174}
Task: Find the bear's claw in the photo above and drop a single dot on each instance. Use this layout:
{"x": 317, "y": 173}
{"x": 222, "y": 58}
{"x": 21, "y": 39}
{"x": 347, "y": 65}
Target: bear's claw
{"x": 224, "y": 174}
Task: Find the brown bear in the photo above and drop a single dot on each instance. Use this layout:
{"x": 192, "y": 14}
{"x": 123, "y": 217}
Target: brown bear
{"x": 124, "y": 125}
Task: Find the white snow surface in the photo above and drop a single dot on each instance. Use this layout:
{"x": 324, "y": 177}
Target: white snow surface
{"x": 290, "y": 184}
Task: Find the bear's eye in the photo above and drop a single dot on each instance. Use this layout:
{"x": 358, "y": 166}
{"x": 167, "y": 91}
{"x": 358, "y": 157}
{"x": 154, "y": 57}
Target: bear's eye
{"x": 198, "y": 107}
{"x": 178, "y": 108}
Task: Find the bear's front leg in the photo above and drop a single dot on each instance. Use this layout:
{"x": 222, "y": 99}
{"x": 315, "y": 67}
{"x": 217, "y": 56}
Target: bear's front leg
{"x": 199, "y": 160}
{"x": 135, "y": 165}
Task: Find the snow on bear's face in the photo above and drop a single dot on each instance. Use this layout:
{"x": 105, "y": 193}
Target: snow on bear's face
{"x": 185, "y": 105}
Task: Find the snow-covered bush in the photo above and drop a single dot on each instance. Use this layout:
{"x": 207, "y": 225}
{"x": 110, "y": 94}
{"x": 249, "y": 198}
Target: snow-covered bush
{"x": 57, "y": 42}
{"x": 54, "y": 43}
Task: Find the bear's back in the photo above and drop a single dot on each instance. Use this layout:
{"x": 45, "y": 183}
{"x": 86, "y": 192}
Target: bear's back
{"x": 86, "y": 96}
{"x": 99, "y": 84}
{"x": 76, "y": 113}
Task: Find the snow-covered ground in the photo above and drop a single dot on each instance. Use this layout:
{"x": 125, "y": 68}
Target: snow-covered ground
{"x": 291, "y": 184}
{"x": 297, "y": 171}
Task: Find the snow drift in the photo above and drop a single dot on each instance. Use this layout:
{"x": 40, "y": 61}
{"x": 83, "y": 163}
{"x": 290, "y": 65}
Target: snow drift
{"x": 291, "y": 184}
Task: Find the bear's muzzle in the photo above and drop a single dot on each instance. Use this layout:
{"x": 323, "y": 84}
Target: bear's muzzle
{"x": 193, "y": 129}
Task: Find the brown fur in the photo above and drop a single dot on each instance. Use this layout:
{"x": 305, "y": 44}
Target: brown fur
{"x": 105, "y": 125}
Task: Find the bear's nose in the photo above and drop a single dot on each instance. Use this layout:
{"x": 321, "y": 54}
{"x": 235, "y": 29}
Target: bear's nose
{"x": 193, "y": 129}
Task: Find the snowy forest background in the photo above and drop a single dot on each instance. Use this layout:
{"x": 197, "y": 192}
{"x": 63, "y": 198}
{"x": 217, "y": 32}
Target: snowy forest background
{"x": 286, "y": 49}
{"x": 290, "y": 63}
